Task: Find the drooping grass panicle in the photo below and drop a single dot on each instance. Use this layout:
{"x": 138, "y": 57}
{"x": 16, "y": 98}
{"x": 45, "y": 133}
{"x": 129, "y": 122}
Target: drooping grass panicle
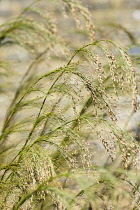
{"x": 61, "y": 144}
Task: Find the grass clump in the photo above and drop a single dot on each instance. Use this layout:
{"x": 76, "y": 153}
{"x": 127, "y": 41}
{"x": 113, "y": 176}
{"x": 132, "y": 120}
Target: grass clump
{"x": 59, "y": 118}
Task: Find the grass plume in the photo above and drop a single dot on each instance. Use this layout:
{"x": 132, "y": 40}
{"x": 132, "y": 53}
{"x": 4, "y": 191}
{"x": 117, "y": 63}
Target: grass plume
{"x": 57, "y": 120}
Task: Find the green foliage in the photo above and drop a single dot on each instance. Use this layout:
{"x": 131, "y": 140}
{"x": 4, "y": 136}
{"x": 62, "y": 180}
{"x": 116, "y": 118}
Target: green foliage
{"x": 47, "y": 160}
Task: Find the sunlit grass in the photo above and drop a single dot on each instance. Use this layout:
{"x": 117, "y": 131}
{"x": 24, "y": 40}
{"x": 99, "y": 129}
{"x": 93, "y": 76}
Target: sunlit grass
{"x": 54, "y": 120}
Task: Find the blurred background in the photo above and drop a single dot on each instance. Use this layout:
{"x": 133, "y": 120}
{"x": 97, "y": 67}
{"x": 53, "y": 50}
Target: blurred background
{"x": 109, "y": 16}
{"x": 117, "y": 20}
{"x": 125, "y": 12}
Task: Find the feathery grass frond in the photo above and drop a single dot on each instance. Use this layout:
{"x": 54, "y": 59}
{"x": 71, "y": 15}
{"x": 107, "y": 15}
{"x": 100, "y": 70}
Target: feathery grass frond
{"x": 60, "y": 123}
